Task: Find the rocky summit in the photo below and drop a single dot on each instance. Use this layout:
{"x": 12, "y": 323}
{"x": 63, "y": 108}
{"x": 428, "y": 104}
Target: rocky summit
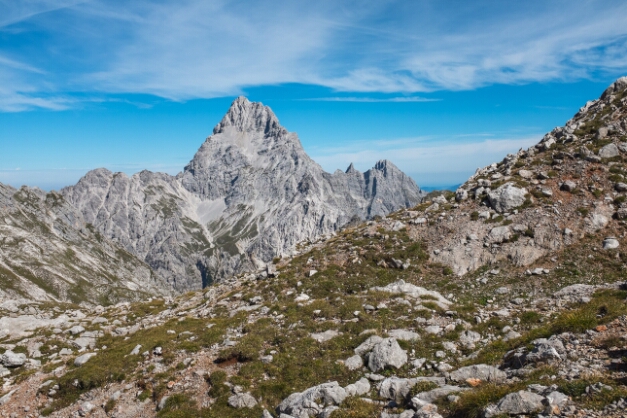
{"x": 250, "y": 194}
{"x": 505, "y": 298}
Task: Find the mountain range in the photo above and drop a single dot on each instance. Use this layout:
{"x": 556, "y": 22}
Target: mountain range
{"x": 248, "y": 195}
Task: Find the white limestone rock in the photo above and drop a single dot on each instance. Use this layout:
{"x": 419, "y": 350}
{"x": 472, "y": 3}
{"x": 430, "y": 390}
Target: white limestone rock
{"x": 386, "y": 354}
{"x": 507, "y": 197}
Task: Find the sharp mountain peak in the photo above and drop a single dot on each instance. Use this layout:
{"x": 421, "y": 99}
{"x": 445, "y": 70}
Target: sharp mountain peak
{"x": 246, "y": 116}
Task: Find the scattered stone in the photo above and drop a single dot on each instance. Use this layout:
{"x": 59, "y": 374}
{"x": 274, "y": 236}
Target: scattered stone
{"x": 77, "y": 329}
{"x": 437, "y": 393}
{"x": 620, "y": 187}
{"x": 359, "y": 388}
{"x": 354, "y": 363}
{"x": 610, "y": 243}
{"x": 404, "y": 335}
{"x": 469, "y": 337}
{"x": 433, "y": 329}
{"x": 325, "y": 336}
{"x": 242, "y": 400}
{"x": 80, "y": 360}
{"x": 302, "y": 298}
{"x": 568, "y": 186}
{"x": 66, "y": 352}
{"x": 526, "y": 174}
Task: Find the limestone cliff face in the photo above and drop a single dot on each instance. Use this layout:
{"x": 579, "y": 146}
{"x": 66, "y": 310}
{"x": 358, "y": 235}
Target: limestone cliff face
{"x": 249, "y": 194}
{"x": 49, "y": 253}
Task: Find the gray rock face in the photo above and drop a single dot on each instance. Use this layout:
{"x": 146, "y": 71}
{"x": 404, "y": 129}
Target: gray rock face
{"x": 507, "y": 197}
{"x": 249, "y": 194}
{"x": 516, "y": 403}
{"x": 313, "y": 400}
{"x": 49, "y": 254}
{"x": 386, "y": 354}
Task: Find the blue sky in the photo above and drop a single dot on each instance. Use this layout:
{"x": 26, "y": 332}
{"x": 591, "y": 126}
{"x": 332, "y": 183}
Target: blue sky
{"x": 438, "y": 87}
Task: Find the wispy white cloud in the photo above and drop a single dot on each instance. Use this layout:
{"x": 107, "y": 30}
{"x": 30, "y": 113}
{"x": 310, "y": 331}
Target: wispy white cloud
{"x": 17, "y": 11}
{"x": 198, "y": 49}
{"x": 412, "y": 99}
{"x": 428, "y": 160}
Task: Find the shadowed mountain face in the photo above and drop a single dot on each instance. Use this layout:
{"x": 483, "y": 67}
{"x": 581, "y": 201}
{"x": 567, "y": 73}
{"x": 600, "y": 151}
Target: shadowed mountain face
{"x": 250, "y": 193}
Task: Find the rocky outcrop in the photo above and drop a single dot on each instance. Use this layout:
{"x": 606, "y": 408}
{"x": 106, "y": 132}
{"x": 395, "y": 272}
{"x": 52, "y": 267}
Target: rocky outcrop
{"x": 250, "y": 193}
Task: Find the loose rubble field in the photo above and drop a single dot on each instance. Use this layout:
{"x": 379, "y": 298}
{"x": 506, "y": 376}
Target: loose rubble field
{"x": 506, "y": 298}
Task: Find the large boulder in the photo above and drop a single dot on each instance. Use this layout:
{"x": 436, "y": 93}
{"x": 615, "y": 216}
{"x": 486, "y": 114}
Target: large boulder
{"x": 416, "y": 292}
{"x": 482, "y": 372}
{"x": 545, "y": 350}
{"x": 312, "y": 401}
{"x": 609, "y": 151}
{"x": 386, "y": 354}
{"x": 507, "y": 197}
{"x": 516, "y": 403}
{"x": 11, "y": 359}
{"x": 396, "y": 388}
{"x": 437, "y": 393}
{"x": 575, "y": 292}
